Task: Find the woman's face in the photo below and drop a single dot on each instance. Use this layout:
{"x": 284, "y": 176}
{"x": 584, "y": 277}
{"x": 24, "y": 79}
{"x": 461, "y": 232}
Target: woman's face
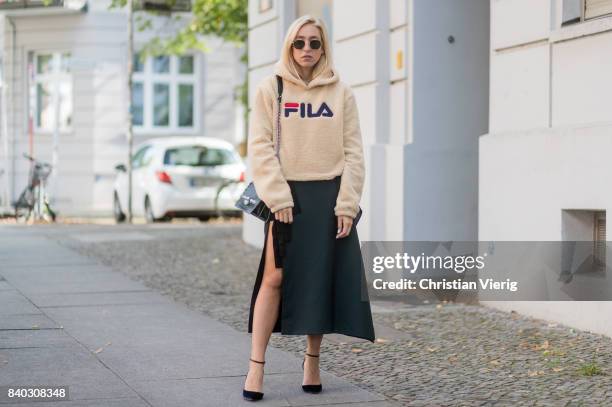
{"x": 307, "y": 57}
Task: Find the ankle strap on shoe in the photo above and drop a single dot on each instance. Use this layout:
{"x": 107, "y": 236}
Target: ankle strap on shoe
{"x": 311, "y": 355}
{"x": 257, "y": 361}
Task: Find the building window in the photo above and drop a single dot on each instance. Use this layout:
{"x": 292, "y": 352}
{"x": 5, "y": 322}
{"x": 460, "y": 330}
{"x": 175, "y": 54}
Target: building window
{"x": 576, "y": 11}
{"x": 137, "y": 104}
{"x": 599, "y": 239}
{"x": 164, "y": 93}
{"x": 584, "y": 241}
{"x": 53, "y": 91}
{"x": 161, "y": 104}
{"x": 264, "y": 5}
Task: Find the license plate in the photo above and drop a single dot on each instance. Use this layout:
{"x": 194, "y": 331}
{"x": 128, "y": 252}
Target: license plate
{"x": 197, "y": 182}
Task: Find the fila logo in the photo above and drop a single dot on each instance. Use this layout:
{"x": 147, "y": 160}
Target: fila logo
{"x": 305, "y": 110}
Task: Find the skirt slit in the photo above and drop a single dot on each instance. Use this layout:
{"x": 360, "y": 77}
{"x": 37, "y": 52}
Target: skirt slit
{"x": 259, "y": 278}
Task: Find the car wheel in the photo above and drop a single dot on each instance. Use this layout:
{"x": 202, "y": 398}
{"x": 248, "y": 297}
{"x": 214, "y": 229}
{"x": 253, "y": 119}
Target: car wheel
{"x": 118, "y": 214}
{"x": 149, "y": 216}
{"x": 204, "y": 218}
{"x": 165, "y": 219}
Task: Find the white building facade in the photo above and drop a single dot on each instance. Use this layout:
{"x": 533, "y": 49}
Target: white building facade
{"x": 419, "y": 71}
{"x": 64, "y": 94}
{"x": 545, "y": 163}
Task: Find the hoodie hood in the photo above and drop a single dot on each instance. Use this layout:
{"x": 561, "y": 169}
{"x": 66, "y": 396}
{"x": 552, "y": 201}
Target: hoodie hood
{"x": 324, "y": 73}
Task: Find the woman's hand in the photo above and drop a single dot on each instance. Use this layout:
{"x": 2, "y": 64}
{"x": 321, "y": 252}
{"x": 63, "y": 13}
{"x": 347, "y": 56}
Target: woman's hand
{"x": 284, "y": 215}
{"x": 344, "y": 226}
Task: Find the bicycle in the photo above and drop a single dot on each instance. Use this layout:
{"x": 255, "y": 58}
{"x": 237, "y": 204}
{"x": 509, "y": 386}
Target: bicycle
{"x": 34, "y": 199}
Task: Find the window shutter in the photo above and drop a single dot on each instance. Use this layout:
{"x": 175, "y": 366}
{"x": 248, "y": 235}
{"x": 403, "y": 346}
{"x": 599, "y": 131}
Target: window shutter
{"x": 599, "y": 249}
{"x": 597, "y": 8}
{"x": 165, "y": 5}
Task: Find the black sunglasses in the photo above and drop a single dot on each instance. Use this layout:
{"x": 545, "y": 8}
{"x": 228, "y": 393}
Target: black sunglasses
{"x": 299, "y": 44}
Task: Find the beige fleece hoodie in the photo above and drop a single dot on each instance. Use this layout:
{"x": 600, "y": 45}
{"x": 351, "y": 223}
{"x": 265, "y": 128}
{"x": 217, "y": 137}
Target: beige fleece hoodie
{"x": 320, "y": 138}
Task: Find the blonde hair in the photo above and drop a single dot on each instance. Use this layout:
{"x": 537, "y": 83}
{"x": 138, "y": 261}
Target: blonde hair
{"x": 326, "y": 60}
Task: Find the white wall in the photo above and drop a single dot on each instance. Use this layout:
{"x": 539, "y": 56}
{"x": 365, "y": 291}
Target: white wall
{"x": 532, "y": 16}
{"x": 526, "y": 179}
{"x": 549, "y": 142}
{"x": 581, "y": 80}
{"x": 520, "y": 88}
{"x": 97, "y": 99}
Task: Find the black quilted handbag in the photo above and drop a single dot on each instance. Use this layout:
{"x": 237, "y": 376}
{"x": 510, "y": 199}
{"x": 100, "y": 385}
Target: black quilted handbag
{"x": 249, "y": 202}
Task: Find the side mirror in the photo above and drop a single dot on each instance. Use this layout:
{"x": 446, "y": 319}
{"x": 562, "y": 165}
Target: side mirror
{"x": 120, "y": 167}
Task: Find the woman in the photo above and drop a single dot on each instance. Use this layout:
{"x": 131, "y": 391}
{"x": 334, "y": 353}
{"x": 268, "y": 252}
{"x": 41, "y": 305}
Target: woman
{"x": 311, "y": 278}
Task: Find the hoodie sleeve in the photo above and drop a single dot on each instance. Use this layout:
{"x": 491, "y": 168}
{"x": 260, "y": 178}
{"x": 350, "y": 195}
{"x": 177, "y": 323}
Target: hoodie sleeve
{"x": 353, "y": 175}
{"x": 268, "y": 177}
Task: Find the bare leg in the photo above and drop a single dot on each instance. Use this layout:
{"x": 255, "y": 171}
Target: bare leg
{"x": 265, "y": 314}
{"x": 311, "y": 365}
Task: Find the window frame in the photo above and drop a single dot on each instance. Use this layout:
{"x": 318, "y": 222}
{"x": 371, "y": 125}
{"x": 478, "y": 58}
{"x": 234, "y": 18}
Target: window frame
{"x": 149, "y": 79}
{"x": 54, "y": 78}
{"x": 583, "y": 18}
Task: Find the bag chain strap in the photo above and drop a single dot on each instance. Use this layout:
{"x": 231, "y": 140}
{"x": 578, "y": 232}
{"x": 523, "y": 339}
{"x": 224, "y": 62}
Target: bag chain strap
{"x": 278, "y": 132}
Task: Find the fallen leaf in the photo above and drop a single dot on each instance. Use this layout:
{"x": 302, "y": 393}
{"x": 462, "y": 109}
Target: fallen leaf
{"x": 100, "y": 349}
{"x": 543, "y": 345}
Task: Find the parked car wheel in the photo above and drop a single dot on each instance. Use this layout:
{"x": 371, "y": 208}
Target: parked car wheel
{"x": 117, "y": 212}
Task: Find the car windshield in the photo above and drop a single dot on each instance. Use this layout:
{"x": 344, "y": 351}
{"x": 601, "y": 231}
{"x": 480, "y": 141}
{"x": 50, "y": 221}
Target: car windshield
{"x": 197, "y": 156}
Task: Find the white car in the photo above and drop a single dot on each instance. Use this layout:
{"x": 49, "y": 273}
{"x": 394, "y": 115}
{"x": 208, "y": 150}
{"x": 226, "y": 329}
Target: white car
{"x": 181, "y": 177}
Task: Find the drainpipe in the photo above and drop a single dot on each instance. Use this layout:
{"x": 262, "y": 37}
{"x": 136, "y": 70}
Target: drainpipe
{"x": 5, "y": 143}
{"x": 11, "y": 176}
{"x": 130, "y": 131}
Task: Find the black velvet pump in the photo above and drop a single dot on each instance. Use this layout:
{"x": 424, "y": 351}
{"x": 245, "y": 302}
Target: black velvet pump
{"x": 311, "y": 388}
{"x": 252, "y": 395}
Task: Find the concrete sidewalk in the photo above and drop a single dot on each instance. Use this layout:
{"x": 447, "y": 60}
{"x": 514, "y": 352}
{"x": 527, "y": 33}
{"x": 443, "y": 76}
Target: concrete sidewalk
{"x": 67, "y": 321}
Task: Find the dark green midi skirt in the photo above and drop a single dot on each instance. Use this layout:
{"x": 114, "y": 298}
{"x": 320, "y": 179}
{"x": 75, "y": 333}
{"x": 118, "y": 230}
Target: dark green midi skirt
{"x": 323, "y": 286}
